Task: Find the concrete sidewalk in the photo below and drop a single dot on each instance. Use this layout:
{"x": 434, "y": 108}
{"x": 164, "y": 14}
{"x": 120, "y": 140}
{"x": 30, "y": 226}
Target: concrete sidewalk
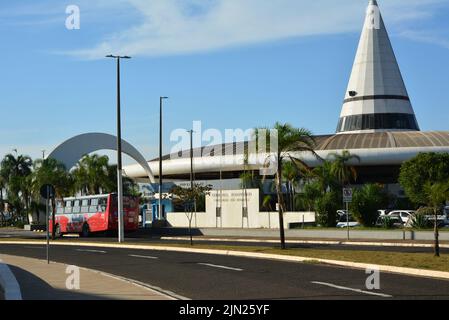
{"x": 40, "y": 281}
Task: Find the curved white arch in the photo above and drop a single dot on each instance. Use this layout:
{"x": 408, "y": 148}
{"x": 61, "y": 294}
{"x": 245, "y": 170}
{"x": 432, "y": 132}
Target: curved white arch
{"x": 72, "y": 150}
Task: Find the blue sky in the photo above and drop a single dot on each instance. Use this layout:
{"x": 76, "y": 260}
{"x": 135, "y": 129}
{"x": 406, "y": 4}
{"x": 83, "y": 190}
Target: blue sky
{"x": 228, "y": 63}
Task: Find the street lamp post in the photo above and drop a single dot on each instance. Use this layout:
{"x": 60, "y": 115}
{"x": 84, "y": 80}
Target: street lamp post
{"x": 191, "y": 158}
{"x": 160, "y": 215}
{"x": 191, "y": 167}
{"x": 121, "y": 234}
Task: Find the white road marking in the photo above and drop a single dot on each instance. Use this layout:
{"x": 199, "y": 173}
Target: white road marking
{"x": 354, "y": 290}
{"x": 143, "y": 257}
{"x": 220, "y": 267}
{"x": 92, "y": 251}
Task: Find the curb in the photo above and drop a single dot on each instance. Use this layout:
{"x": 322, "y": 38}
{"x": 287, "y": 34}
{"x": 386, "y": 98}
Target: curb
{"x": 356, "y": 265}
{"x": 326, "y": 242}
{"x": 9, "y": 284}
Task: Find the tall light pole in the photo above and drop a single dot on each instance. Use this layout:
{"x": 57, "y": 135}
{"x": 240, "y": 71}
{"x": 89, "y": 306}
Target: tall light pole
{"x": 160, "y": 216}
{"x": 191, "y": 158}
{"x": 191, "y": 166}
{"x": 121, "y": 233}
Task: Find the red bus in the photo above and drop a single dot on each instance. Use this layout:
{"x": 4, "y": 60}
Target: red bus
{"x": 90, "y": 214}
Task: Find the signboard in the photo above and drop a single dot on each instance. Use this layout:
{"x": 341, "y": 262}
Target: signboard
{"x": 347, "y": 195}
{"x": 148, "y": 216}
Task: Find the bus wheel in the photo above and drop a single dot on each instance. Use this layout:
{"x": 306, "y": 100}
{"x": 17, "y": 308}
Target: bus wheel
{"x": 58, "y": 233}
{"x": 85, "y": 232}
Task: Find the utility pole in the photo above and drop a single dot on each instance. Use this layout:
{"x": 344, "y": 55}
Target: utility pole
{"x": 191, "y": 158}
{"x": 121, "y": 233}
{"x": 160, "y": 213}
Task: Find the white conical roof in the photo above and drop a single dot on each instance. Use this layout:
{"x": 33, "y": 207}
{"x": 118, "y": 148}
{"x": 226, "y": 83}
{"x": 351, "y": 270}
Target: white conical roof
{"x": 376, "y": 99}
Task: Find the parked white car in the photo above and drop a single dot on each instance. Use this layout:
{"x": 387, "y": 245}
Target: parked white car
{"x": 404, "y": 214}
{"x": 343, "y": 222}
{"x": 382, "y": 212}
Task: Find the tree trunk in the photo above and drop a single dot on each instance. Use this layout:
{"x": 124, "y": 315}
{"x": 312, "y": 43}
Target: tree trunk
{"x": 281, "y": 204}
{"x": 437, "y": 243}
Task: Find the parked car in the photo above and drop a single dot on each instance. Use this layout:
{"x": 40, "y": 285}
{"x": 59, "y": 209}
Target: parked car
{"x": 343, "y": 222}
{"x": 395, "y": 220}
{"x": 405, "y": 215}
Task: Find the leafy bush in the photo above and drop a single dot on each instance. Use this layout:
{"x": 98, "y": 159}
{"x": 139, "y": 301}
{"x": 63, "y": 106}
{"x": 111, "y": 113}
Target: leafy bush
{"x": 387, "y": 223}
{"x": 420, "y": 220}
{"x": 366, "y": 202}
{"x": 326, "y": 208}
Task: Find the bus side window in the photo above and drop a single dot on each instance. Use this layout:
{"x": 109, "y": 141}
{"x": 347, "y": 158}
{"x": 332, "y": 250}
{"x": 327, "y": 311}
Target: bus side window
{"x": 102, "y": 204}
{"x": 76, "y": 206}
{"x": 68, "y": 207}
{"x": 85, "y": 206}
{"x": 93, "y": 206}
{"x": 59, "y": 207}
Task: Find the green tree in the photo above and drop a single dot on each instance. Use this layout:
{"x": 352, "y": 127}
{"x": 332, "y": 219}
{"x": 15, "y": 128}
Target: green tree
{"x": 51, "y": 171}
{"x": 423, "y": 169}
{"x": 92, "y": 174}
{"x": 187, "y": 197}
{"x": 341, "y": 170}
{"x": 291, "y": 142}
{"x": 436, "y": 195}
{"x": 15, "y": 172}
{"x": 365, "y": 203}
{"x": 324, "y": 176}
{"x": 306, "y": 200}
{"x": 326, "y": 207}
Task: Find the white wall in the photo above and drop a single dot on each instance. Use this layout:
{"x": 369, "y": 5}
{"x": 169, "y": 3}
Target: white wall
{"x": 231, "y": 202}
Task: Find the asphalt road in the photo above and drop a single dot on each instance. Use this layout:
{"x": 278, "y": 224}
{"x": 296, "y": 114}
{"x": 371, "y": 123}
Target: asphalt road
{"x": 210, "y": 277}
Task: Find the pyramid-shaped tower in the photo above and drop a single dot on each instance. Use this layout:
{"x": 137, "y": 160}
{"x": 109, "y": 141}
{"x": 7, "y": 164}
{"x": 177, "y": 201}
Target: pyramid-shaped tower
{"x": 376, "y": 99}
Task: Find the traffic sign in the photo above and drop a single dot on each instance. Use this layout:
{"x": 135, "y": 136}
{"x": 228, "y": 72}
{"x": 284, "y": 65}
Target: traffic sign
{"x": 48, "y": 191}
{"x": 347, "y": 194}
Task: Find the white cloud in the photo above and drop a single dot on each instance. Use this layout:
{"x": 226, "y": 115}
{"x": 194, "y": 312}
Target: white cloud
{"x": 173, "y": 27}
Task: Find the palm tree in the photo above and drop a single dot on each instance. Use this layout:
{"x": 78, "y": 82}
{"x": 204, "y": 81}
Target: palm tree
{"x": 14, "y": 172}
{"x": 290, "y": 142}
{"x": 53, "y": 172}
{"x": 92, "y": 174}
{"x": 436, "y": 195}
{"x": 343, "y": 172}
{"x": 324, "y": 177}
